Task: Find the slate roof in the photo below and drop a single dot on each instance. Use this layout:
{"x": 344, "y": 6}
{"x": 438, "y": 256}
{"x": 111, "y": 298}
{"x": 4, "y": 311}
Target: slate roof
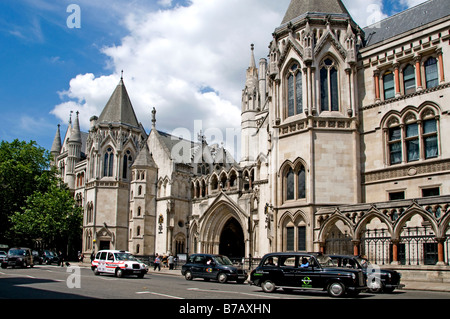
{"x": 300, "y": 7}
{"x": 407, "y": 20}
{"x": 119, "y": 109}
{"x": 144, "y": 158}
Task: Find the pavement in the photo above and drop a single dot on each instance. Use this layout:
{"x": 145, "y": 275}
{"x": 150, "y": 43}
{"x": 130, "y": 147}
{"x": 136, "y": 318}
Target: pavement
{"x": 409, "y": 285}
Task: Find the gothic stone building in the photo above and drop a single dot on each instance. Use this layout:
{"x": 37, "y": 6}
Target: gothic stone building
{"x": 345, "y": 133}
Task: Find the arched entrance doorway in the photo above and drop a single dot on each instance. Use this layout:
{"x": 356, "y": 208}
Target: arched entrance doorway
{"x": 232, "y": 240}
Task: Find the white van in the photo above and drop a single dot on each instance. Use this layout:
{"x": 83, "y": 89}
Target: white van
{"x": 119, "y": 263}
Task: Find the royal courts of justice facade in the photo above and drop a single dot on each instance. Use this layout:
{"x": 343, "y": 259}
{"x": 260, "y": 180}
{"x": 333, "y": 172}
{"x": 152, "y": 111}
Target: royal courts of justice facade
{"x": 345, "y": 135}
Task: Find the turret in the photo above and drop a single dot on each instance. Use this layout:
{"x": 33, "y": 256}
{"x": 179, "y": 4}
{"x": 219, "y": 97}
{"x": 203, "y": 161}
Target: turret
{"x": 56, "y": 146}
{"x": 74, "y": 153}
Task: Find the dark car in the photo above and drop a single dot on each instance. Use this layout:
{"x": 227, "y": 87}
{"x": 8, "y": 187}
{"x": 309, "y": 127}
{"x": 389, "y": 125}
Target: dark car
{"x": 50, "y": 257}
{"x": 216, "y": 267}
{"x": 3, "y": 255}
{"x": 37, "y": 258}
{"x": 18, "y": 257}
{"x": 378, "y": 280}
{"x": 295, "y": 270}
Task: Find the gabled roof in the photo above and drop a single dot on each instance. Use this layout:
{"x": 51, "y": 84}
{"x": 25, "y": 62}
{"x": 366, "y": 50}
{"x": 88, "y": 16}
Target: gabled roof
{"x": 407, "y": 20}
{"x": 300, "y": 7}
{"x": 119, "y": 110}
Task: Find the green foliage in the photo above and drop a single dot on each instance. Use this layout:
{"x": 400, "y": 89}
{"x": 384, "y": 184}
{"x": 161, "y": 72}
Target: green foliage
{"x": 34, "y": 203}
{"x": 51, "y": 216}
{"x": 24, "y": 168}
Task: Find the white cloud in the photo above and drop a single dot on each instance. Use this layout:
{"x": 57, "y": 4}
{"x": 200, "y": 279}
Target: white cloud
{"x": 365, "y": 12}
{"x": 170, "y": 56}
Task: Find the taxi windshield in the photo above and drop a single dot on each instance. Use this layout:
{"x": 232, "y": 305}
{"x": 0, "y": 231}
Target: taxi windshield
{"x": 124, "y": 256}
{"x": 17, "y": 252}
{"x": 223, "y": 260}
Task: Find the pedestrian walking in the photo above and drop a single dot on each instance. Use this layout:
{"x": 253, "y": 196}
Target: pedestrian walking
{"x": 157, "y": 263}
{"x": 61, "y": 258}
{"x": 171, "y": 262}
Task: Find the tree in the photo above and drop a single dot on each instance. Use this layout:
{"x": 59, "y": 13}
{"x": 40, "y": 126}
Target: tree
{"x": 24, "y": 169}
{"x": 50, "y": 216}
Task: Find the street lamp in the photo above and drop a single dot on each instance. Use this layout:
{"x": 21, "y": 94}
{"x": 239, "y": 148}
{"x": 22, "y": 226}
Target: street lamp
{"x": 187, "y": 239}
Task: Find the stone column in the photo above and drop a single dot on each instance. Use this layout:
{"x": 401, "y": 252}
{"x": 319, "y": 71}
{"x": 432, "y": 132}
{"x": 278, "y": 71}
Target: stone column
{"x": 441, "y": 67}
{"x": 376, "y": 76}
{"x": 395, "y": 252}
{"x": 397, "y": 79}
{"x": 356, "y": 247}
{"x": 440, "y": 242}
{"x": 418, "y": 73}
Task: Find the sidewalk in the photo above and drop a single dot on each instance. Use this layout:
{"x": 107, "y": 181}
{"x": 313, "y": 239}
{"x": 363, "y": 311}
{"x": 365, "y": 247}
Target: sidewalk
{"x": 409, "y": 285}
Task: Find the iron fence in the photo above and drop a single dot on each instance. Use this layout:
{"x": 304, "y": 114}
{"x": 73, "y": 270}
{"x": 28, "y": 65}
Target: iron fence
{"x": 417, "y": 246}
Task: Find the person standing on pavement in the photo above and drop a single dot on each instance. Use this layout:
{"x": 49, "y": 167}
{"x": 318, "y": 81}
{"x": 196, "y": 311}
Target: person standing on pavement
{"x": 157, "y": 263}
{"x": 171, "y": 262}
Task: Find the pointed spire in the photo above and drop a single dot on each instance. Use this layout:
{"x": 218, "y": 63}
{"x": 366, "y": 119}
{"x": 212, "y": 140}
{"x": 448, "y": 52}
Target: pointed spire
{"x": 300, "y": 7}
{"x": 153, "y": 119}
{"x": 119, "y": 109}
{"x": 252, "y": 71}
{"x": 56, "y": 146}
{"x": 252, "y": 57}
{"x": 75, "y": 135}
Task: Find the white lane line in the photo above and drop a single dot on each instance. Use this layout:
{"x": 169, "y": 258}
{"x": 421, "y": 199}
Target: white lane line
{"x": 157, "y": 294}
{"x": 234, "y": 292}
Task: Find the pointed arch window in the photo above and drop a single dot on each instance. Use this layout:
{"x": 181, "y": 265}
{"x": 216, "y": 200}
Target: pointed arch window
{"x": 290, "y": 184}
{"x": 294, "y": 91}
{"x": 415, "y": 140}
{"x": 127, "y": 159}
{"x": 329, "y": 91}
{"x": 108, "y": 163}
{"x": 301, "y": 188}
{"x": 295, "y": 183}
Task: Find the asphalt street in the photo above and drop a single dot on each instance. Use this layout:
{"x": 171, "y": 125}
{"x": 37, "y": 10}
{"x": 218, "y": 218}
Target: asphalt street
{"x": 53, "y": 282}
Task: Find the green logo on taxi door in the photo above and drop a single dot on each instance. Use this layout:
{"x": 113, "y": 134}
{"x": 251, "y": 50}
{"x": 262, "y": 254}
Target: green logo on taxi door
{"x": 306, "y": 282}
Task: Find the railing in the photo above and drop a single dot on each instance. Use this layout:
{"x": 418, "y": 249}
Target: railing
{"x": 417, "y": 246}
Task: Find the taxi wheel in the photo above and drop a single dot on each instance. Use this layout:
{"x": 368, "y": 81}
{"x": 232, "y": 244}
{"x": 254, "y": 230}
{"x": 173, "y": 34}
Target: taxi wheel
{"x": 96, "y": 272}
{"x": 268, "y": 286}
{"x": 119, "y": 273}
{"x": 188, "y": 275}
{"x": 336, "y": 289}
{"x": 222, "y": 278}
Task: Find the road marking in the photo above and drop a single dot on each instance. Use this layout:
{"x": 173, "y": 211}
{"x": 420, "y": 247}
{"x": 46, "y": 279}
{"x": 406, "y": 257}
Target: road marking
{"x": 157, "y": 294}
{"x": 234, "y": 292}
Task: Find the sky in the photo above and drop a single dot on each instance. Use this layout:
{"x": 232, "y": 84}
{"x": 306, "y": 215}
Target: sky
{"x": 185, "y": 58}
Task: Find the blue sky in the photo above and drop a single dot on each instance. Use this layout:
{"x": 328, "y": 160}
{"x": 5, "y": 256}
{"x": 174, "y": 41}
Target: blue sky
{"x": 50, "y": 69}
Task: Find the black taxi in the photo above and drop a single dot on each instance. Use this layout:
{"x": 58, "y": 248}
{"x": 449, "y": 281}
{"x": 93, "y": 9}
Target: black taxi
{"x": 212, "y": 266}
{"x": 378, "y": 279}
{"x": 296, "y": 270}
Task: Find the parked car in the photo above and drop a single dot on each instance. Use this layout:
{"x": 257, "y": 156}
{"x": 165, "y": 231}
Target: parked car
{"x": 3, "y": 255}
{"x": 18, "y": 257}
{"x": 50, "y": 257}
{"x": 119, "y": 263}
{"x": 216, "y": 267}
{"x": 378, "y": 279}
{"x": 300, "y": 271}
{"x": 37, "y": 258}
